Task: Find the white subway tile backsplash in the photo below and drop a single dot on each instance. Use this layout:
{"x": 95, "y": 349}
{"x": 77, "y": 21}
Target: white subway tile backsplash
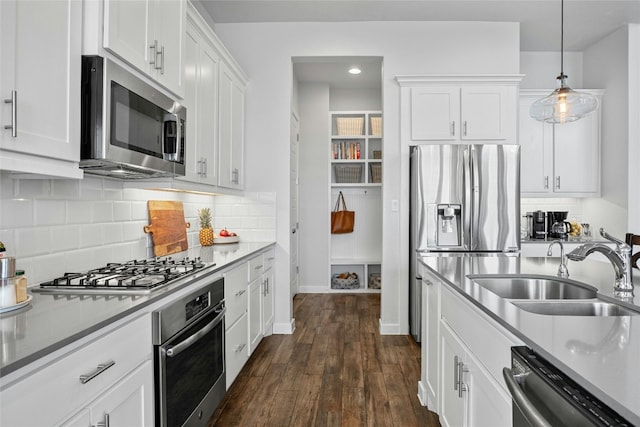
{"x": 32, "y": 188}
{"x": 65, "y": 238}
{"x": 50, "y": 212}
{"x": 16, "y": 213}
{"x": 67, "y": 189}
{"x": 32, "y": 241}
{"x": 102, "y": 211}
{"x": 121, "y": 211}
{"x": 58, "y": 226}
{"x": 90, "y": 235}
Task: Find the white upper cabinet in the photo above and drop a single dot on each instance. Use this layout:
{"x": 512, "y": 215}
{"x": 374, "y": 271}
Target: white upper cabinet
{"x": 202, "y": 64}
{"x": 231, "y": 128}
{"x": 561, "y": 160}
{"x": 455, "y": 109}
{"x": 148, "y": 34}
{"x": 40, "y": 87}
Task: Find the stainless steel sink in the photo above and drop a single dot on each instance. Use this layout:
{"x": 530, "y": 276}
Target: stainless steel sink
{"x": 532, "y": 287}
{"x": 575, "y": 308}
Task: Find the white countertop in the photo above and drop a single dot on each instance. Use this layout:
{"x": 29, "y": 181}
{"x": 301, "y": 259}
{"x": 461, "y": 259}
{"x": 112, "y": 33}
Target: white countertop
{"x": 602, "y": 354}
{"x": 51, "y": 322}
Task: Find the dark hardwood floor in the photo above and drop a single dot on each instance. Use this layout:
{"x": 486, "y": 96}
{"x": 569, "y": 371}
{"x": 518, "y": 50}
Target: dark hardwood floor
{"x": 335, "y": 369}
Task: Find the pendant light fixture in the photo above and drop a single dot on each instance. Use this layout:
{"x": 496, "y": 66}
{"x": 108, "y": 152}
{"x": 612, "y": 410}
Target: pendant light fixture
{"x": 564, "y": 104}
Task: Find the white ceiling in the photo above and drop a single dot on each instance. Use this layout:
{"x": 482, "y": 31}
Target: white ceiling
{"x": 585, "y": 22}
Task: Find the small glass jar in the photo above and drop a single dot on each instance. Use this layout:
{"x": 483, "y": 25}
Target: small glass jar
{"x": 7, "y": 282}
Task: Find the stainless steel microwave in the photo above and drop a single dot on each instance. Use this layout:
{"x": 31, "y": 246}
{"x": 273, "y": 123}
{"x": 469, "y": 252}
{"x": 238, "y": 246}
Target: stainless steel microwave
{"x": 130, "y": 130}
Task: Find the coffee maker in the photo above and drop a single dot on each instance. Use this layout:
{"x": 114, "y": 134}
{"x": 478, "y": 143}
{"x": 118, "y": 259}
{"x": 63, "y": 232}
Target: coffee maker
{"x": 539, "y": 229}
{"x": 554, "y": 217}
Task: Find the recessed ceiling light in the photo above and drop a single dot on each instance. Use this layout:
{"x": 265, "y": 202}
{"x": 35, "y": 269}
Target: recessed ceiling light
{"x": 354, "y": 70}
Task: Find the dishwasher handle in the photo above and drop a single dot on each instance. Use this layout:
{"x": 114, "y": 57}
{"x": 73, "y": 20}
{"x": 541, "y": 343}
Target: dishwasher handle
{"x": 529, "y": 411}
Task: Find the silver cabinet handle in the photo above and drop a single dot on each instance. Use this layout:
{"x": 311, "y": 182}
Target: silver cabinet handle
{"x": 258, "y": 267}
{"x": 14, "y": 113}
{"x": 456, "y": 372}
{"x": 267, "y": 285}
{"x": 200, "y": 166}
{"x": 85, "y": 378}
{"x": 264, "y": 288}
{"x": 104, "y": 423}
{"x": 546, "y": 182}
{"x": 154, "y": 54}
{"x": 558, "y": 182}
{"x": 464, "y": 128}
{"x": 162, "y": 60}
{"x": 453, "y": 128}
{"x": 205, "y": 164}
{"x": 239, "y": 348}
{"x": 240, "y": 292}
{"x": 235, "y": 176}
{"x": 462, "y": 387}
{"x": 529, "y": 411}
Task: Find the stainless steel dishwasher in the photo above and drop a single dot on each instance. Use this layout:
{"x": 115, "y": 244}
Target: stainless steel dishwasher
{"x": 544, "y": 396}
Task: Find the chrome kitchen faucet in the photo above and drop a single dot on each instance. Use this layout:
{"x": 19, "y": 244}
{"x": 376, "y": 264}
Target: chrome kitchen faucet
{"x": 562, "y": 268}
{"x": 620, "y": 258}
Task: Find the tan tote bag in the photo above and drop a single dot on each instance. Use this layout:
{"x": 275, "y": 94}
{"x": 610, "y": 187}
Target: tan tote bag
{"x": 341, "y": 219}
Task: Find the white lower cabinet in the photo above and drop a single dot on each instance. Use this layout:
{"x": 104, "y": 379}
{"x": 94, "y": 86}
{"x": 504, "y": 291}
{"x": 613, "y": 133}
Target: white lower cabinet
{"x": 431, "y": 331}
{"x": 268, "y": 286}
{"x": 121, "y": 404}
{"x": 255, "y": 314}
{"x": 463, "y": 353}
{"x": 236, "y": 349}
{"x": 84, "y": 381}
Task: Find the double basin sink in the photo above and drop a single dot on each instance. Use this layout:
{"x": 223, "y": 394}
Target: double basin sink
{"x": 554, "y": 296}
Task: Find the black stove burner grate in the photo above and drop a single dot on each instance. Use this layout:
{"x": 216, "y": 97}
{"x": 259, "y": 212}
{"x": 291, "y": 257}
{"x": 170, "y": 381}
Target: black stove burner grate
{"x": 132, "y": 275}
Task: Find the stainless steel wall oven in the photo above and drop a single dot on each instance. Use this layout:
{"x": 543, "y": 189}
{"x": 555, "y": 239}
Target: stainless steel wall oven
{"x": 189, "y": 357}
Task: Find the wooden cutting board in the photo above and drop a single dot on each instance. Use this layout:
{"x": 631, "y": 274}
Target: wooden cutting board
{"x": 168, "y": 228}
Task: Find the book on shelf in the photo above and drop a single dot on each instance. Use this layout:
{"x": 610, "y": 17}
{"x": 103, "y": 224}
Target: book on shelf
{"x": 345, "y": 150}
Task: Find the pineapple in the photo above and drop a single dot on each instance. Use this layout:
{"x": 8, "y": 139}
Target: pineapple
{"x": 206, "y": 232}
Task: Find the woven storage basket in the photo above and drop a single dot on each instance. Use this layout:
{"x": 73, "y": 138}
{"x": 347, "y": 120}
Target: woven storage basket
{"x": 350, "y": 125}
{"x": 376, "y": 173}
{"x": 377, "y": 154}
{"x": 348, "y": 174}
{"x": 374, "y": 281}
{"x": 376, "y": 125}
{"x": 351, "y": 282}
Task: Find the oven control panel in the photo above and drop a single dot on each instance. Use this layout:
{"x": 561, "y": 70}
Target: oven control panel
{"x": 197, "y": 305}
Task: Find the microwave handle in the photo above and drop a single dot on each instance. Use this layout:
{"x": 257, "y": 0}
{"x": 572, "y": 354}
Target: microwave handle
{"x": 171, "y": 151}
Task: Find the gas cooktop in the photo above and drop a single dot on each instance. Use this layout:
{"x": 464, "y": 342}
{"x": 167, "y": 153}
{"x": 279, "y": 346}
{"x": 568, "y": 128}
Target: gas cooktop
{"x": 132, "y": 277}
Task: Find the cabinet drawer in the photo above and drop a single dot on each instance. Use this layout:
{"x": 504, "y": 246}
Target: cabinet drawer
{"x": 236, "y": 351}
{"x": 235, "y": 294}
{"x": 488, "y": 341}
{"x": 269, "y": 258}
{"x": 56, "y": 391}
{"x": 256, "y": 267}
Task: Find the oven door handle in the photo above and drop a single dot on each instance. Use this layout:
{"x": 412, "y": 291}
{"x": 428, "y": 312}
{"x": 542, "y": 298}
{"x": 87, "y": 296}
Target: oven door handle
{"x": 177, "y": 349}
{"x": 529, "y": 411}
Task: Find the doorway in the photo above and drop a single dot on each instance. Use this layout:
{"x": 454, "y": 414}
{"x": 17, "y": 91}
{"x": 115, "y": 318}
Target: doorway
{"x": 322, "y": 85}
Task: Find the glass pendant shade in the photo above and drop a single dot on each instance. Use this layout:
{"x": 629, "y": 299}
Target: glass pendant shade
{"x": 563, "y": 105}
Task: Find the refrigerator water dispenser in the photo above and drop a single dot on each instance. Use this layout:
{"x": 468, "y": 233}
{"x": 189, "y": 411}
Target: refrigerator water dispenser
{"x": 449, "y": 225}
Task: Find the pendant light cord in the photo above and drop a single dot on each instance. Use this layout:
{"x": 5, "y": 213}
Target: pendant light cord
{"x": 562, "y": 38}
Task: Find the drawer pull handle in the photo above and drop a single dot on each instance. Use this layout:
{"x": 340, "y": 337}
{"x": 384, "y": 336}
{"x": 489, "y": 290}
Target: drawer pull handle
{"x": 240, "y": 348}
{"x": 104, "y": 423}
{"x": 258, "y": 267}
{"x": 240, "y": 292}
{"x": 85, "y": 378}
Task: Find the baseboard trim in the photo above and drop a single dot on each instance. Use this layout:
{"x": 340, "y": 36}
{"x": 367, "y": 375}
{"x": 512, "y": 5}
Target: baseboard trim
{"x": 422, "y": 393}
{"x": 284, "y": 328}
{"x": 313, "y": 289}
{"x": 390, "y": 328}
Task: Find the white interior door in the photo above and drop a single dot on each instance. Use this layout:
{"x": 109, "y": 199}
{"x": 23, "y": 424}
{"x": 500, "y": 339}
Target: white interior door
{"x": 294, "y": 214}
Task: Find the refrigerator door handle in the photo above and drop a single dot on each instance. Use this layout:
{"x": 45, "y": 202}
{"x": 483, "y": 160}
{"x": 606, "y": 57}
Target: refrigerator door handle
{"x": 475, "y": 201}
{"x": 466, "y": 194}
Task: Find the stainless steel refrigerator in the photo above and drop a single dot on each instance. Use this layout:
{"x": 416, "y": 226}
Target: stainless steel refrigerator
{"x": 463, "y": 198}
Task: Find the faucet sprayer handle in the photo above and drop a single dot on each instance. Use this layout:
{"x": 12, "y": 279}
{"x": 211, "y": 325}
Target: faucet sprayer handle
{"x": 611, "y": 238}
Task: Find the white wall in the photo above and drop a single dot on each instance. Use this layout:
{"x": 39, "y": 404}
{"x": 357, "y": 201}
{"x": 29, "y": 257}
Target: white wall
{"x": 313, "y": 101}
{"x": 634, "y": 128}
{"x": 58, "y": 226}
{"x": 264, "y": 50}
{"x": 542, "y": 68}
